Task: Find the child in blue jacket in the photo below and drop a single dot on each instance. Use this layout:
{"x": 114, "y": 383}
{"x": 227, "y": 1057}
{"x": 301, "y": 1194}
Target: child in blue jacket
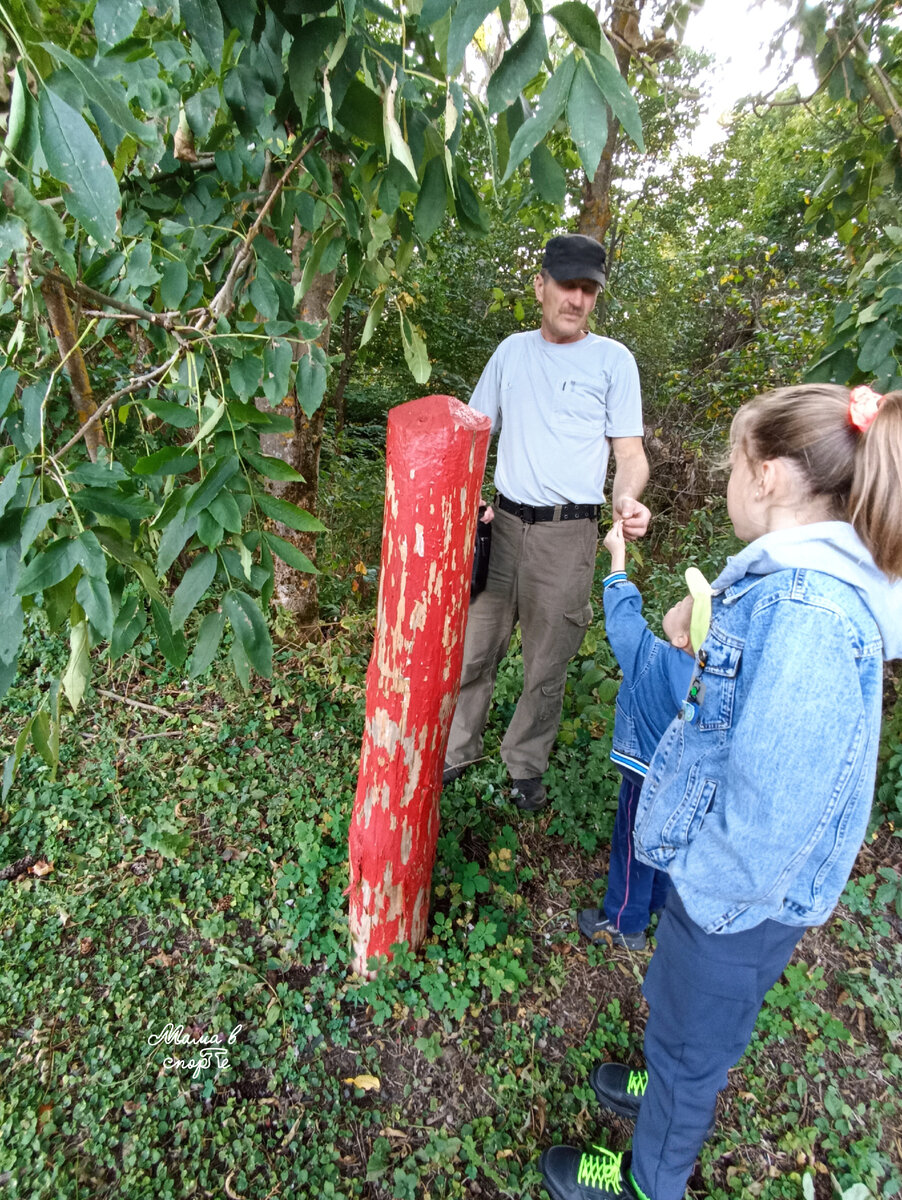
{"x": 656, "y": 678}
{"x": 757, "y": 805}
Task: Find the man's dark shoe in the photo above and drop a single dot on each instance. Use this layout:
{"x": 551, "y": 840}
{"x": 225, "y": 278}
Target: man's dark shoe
{"x": 594, "y": 925}
{"x": 619, "y": 1088}
{"x": 596, "y": 1174}
{"x": 449, "y": 774}
{"x": 529, "y": 795}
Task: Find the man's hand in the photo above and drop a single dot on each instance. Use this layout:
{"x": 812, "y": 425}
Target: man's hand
{"x": 486, "y": 512}
{"x": 634, "y": 517}
{"x": 616, "y": 546}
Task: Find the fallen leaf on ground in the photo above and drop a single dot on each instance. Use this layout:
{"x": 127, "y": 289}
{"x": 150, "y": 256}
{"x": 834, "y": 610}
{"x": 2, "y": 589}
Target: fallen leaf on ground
{"x": 366, "y": 1083}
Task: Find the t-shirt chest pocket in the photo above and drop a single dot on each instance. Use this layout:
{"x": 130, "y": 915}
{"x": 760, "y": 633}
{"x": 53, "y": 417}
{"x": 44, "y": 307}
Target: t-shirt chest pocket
{"x": 579, "y": 405}
{"x": 717, "y": 685}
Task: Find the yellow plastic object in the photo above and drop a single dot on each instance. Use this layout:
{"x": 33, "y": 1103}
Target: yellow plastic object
{"x": 701, "y": 593}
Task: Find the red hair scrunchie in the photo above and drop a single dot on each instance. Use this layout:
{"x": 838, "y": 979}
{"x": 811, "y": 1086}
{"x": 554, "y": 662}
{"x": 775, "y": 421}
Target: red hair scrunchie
{"x": 863, "y": 405}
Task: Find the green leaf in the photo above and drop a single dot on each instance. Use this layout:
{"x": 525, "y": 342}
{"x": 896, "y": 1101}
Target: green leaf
{"x": 470, "y": 211}
{"x": 113, "y": 503}
{"x": 308, "y": 54}
{"x": 129, "y": 622}
{"x": 520, "y": 64}
{"x": 107, "y": 93}
{"x": 78, "y": 669}
{"x": 192, "y": 588}
{"x": 213, "y": 483}
{"x": 251, "y": 632}
{"x": 432, "y": 200}
{"x": 40, "y": 220}
{"x": 288, "y": 514}
{"x": 208, "y": 638}
{"x": 548, "y": 176}
{"x": 12, "y": 618}
{"x": 35, "y": 522}
{"x": 224, "y": 509}
{"x": 177, "y": 532}
{"x": 43, "y": 740}
{"x": 372, "y": 318}
{"x": 173, "y": 414}
{"x": 11, "y": 766}
{"x": 580, "y": 23}
{"x": 289, "y": 554}
{"x": 244, "y": 374}
{"x": 587, "y": 115}
{"x": 114, "y": 20}
{"x": 172, "y": 643}
{"x": 466, "y": 19}
{"x": 310, "y": 384}
{"x": 272, "y": 468}
{"x": 615, "y": 91}
{"x": 360, "y": 112}
{"x": 91, "y": 555}
{"x": 10, "y": 484}
{"x": 267, "y": 422}
{"x": 49, "y": 567}
{"x": 246, "y": 98}
{"x": 415, "y": 353}
{"x": 875, "y": 344}
{"x": 209, "y": 531}
{"x": 171, "y": 460}
{"x": 75, "y": 158}
{"x": 277, "y": 358}
{"x": 174, "y": 284}
{"x": 551, "y": 104}
{"x": 203, "y": 21}
{"x": 94, "y": 597}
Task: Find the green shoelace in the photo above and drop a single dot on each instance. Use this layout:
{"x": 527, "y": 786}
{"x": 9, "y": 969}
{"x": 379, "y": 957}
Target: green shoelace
{"x": 601, "y": 1170}
{"x": 637, "y": 1083}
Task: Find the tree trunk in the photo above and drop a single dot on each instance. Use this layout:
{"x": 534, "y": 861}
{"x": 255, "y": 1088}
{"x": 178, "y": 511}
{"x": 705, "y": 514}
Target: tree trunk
{"x": 595, "y": 213}
{"x": 296, "y": 591}
{"x": 435, "y": 460}
{"x": 66, "y": 335}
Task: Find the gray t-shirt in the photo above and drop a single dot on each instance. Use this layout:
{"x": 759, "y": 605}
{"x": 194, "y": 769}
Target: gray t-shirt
{"x": 557, "y": 406}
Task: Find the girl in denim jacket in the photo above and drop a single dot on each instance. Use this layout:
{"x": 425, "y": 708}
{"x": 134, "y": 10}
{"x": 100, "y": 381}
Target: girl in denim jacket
{"x": 758, "y": 796}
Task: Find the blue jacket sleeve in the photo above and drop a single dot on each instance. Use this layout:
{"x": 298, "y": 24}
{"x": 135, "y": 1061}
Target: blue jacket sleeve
{"x": 626, "y": 628}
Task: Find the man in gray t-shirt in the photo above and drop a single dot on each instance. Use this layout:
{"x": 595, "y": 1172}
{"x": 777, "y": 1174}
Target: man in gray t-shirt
{"x": 560, "y": 399}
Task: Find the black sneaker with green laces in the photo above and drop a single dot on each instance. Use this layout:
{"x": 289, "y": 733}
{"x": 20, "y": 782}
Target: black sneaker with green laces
{"x": 619, "y": 1088}
{"x": 596, "y": 1174}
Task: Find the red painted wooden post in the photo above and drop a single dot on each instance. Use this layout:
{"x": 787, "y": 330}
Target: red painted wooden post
{"x": 435, "y": 459}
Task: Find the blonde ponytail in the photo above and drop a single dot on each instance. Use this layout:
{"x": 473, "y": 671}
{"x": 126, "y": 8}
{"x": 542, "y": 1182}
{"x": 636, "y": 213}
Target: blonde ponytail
{"x": 859, "y": 472}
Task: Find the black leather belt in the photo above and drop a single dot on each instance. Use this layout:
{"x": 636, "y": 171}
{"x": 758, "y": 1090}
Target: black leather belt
{"x": 530, "y": 515}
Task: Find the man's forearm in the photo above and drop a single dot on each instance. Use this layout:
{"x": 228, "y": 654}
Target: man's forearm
{"x": 630, "y": 477}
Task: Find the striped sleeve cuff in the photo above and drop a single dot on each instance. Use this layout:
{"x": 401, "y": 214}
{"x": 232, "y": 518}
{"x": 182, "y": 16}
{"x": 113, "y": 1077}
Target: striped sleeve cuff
{"x": 615, "y": 577}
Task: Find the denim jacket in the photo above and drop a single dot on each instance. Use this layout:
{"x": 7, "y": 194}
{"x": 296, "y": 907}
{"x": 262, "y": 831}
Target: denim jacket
{"x": 757, "y": 799}
{"x": 656, "y": 678}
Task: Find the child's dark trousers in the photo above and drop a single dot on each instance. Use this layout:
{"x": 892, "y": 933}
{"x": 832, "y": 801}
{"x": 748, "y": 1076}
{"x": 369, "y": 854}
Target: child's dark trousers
{"x": 635, "y": 890}
{"x": 704, "y": 992}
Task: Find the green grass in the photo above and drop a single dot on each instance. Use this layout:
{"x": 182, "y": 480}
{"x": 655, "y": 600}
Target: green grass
{"x": 198, "y": 854}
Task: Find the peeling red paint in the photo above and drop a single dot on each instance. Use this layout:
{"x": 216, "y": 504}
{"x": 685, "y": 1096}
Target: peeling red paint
{"x": 435, "y": 459}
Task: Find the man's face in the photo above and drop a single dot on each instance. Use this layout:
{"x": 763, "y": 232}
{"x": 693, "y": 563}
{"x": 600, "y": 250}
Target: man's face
{"x": 565, "y": 307}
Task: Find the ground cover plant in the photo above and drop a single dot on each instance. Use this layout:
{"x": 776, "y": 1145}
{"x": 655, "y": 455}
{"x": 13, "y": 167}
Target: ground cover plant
{"x": 183, "y": 877}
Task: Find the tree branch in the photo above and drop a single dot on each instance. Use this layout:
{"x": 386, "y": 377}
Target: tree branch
{"x": 224, "y": 299}
{"x": 135, "y": 385}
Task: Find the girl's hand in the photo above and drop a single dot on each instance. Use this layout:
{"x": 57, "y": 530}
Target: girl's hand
{"x": 615, "y": 544}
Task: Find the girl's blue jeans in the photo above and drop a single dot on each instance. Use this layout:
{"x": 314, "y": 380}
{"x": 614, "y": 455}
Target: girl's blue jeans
{"x": 704, "y": 993}
{"x": 635, "y": 891}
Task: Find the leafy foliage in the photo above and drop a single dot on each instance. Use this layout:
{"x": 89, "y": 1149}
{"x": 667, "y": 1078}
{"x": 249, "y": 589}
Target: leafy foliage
{"x": 172, "y": 189}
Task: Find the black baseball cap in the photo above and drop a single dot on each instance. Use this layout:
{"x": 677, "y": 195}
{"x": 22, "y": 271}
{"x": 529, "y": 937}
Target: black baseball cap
{"x": 574, "y": 256}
